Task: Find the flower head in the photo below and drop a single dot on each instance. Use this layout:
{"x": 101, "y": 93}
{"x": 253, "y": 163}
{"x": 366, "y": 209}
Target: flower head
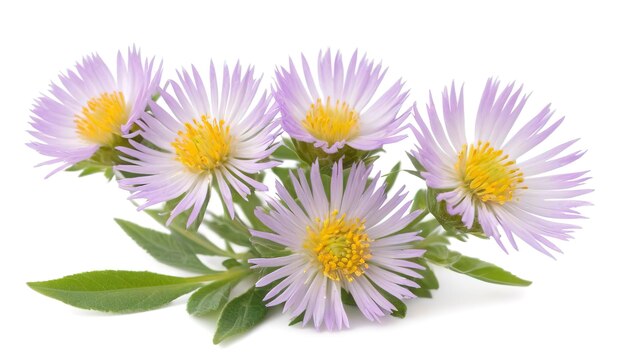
{"x": 93, "y": 109}
{"x": 207, "y": 136}
{"x": 338, "y": 109}
{"x": 339, "y": 238}
{"x": 493, "y": 182}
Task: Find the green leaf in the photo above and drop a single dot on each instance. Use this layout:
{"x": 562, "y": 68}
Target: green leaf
{"x": 427, "y": 283}
{"x": 346, "y": 298}
{"x": 472, "y": 267}
{"x": 198, "y": 243}
{"x": 419, "y": 168}
{"x": 285, "y": 152}
{"x": 400, "y": 311}
{"x": 284, "y": 178}
{"x": 200, "y": 218}
{"x": 241, "y": 314}
{"x": 267, "y": 248}
{"x": 297, "y": 320}
{"x": 392, "y": 176}
{"x": 229, "y": 230}
{"x": 109, "y": 174}
{"x": 116, "y": 291}
{"x": 230, "y": 263}
{"x": 164, "y": 248}
{"x": 209, "y": 298}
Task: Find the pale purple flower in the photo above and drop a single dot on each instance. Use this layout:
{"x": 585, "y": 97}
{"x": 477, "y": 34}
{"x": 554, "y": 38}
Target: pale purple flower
{"x": 348, "y": 238}
{"x": 215, "y": 134}
{"x": 91, "y": 108}
{"x": 338, "y": 109}
{"x": 493, "y": 180}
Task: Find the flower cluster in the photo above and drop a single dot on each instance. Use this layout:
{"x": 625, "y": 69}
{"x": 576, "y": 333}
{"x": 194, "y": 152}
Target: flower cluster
{"x": 334, "y": 235}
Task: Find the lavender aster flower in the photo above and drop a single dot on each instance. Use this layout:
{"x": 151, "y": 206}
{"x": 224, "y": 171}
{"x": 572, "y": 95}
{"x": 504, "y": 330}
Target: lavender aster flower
{"x": 92, "y": 109}
{"x": 338, "y": 109}
{"x": 208, "y": 135}
{"x": 347, "y": 238}
{"x": 492, "y": 182}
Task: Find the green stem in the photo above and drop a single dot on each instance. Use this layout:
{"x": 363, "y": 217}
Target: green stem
{"x": 221, "y": 276}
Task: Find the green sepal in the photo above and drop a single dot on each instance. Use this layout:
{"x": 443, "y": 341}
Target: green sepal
{"x": 116, "y": 291}
{"x": 308, "y": 154}
{"x": 241, "y": 314}
{"x": 451, "y": 223}
{"x": 182, "y": 218}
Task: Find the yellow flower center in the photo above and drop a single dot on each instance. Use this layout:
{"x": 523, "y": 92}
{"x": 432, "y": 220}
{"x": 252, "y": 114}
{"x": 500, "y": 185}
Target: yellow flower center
{"x": 331, "y": 122}
{"x": 488, "y": 174}
{"x": 101, "y": 119}
{"x": 341, "y": 246}
{"x": 204, "y": 145}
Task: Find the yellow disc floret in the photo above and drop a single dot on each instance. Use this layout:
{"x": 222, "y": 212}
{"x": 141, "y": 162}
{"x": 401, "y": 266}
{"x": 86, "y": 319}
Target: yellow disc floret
{"x": 331, "y": 122}
{"x": 340, "y": 246}
{"x": 204, "y": 144}
{"x": 488, "y": 174}
{"x": 101, "y": 119}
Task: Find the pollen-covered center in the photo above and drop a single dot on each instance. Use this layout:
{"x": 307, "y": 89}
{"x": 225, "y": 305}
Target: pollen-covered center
{"x": 331, "y": 122}
{"x": 341, "y": 246}
{"x": 204, "y": 144}
{"x": 488, "y": 174}
{"x": 101, "y": 119}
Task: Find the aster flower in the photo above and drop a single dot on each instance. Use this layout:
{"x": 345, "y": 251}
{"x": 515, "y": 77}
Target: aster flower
{"x": 345, "y": 239}
{"x": 338, "y": 109}
{"x": 208, "y": 135}
{"x": 92, "y": 109}
{"x": 493, "y": 182}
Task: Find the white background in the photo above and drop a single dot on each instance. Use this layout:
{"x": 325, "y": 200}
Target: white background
{"x": 569, "y": 54}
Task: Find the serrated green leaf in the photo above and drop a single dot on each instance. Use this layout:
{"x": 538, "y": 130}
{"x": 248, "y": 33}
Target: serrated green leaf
{"x": 163, "y": 247}
{"x": 229, "y": 230}
{"x": 116, "y": 291}
{"x": 209, "y": 298}
{"x": 241, "y": 314}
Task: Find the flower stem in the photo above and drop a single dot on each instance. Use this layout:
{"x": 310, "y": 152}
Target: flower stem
{"x": 233, "y": 273}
